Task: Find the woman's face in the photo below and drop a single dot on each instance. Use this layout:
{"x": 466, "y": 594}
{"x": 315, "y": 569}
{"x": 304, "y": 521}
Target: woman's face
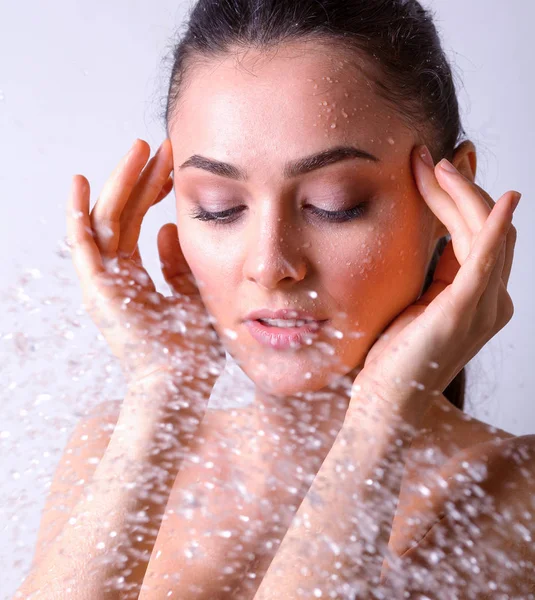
{"x": 277, "y": 250}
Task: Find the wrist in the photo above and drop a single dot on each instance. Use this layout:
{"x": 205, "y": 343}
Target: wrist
{"x": 165, "y": 394}
{"x": 374, "y": 406}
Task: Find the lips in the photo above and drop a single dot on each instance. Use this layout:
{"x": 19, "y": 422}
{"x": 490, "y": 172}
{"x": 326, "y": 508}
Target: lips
{"x": 283, "y": 338}
{"x": 283, "y": 313}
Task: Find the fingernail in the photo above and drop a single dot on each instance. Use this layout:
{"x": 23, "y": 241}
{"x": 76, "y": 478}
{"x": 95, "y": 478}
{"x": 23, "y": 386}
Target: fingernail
{"x": 447, "y": 166}
{"x": 425, "y": 155}
{"x": 516, "y": 200}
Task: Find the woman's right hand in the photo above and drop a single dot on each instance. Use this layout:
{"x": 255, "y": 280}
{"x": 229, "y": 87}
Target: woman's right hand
{"x": 148, "y": 332}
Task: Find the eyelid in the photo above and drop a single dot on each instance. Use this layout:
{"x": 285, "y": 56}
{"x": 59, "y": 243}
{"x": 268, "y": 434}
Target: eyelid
{"x": 347, "y": 214}
{"x": 217, "y": 217}
{"x": 225, "y": 216}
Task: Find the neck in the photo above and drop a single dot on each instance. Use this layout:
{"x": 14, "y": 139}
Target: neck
{"x": 303, "y": 426}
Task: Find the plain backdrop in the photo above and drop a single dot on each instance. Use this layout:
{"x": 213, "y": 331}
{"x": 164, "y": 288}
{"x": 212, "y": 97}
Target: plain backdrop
{"x": 79, "y": 81}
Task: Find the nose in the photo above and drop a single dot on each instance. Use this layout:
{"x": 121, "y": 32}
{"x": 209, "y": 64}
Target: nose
{"x": 274, "y": 255}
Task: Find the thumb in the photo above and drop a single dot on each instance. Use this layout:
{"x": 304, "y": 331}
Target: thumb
{"x": 174, "y": 266}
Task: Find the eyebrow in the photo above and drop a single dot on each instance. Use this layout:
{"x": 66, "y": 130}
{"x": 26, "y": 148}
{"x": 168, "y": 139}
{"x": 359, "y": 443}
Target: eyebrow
{"x": 291, "y": 169}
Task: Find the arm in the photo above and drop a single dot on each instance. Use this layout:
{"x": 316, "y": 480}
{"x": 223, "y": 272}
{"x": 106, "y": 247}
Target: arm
{"x": 494, "y": 527}
{"x": 343, "y": 525}
{"x": 84, "y": 449}
{"x": 109, "y": 537}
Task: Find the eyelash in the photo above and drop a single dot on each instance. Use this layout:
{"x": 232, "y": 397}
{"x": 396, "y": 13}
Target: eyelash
{"x": 339, "y": 216}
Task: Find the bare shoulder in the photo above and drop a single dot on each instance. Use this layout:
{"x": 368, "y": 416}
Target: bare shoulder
{"x": 506, "y": 462}
{"x": 454, "y": 430}
{"x": 510, "y": 478}
{"x": 483, "y": 517}
{"x": 450, "y": 443}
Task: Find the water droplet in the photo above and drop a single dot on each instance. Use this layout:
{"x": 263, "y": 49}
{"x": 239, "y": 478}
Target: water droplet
{"x": 225, "y": 534}
{"x": 230, "y": 333}
{"x": 41, "y": 398}
{"x": 417, "y": 385}
{"x": 391, "y": 141}
{"x": 424, "y": 491}
{"x": 313, "y": 294}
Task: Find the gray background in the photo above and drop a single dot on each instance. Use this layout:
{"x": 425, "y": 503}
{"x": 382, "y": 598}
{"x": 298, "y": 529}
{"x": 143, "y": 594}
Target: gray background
{"x": 79, "y": 82}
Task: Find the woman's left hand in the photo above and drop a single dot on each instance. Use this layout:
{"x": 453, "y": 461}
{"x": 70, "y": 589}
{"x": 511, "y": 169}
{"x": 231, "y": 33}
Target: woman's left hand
{"x": 429, "y": 343}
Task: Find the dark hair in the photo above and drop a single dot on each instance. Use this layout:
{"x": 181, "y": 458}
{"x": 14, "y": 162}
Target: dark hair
{"x": 406, "y": 63}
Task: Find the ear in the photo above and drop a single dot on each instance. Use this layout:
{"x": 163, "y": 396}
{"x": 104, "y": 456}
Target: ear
{"x": 465, "y": 161}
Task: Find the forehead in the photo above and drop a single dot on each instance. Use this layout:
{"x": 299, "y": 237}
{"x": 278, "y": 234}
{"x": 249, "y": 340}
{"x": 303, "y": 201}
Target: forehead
{"x": 283, "y": 103}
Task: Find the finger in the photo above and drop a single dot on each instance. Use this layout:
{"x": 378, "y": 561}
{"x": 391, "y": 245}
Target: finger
{"x": 136, "y": 256}
{"x": 106, "y": 214}
{"x": 496, "y": 305}
{"x": 485, "y": 196}
{"x": 472, "y": 205}
{"x": 488, "y": 303}
{"x": 509, "y": 254}
{"x": 143, "y": 196}
{"x": 511, "y": 240}
{"x": 174, "y": 266}
{"x": 459, "y": 187}
{"x": 442, "y": 205}
{"x": 166, "y": 189}
{"x": 445, "y": 273}
{"x": 474, "y": 274}
{"x": 84, "y": 251}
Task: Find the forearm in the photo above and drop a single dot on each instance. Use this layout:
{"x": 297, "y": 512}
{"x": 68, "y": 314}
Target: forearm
{"x": 106, "y": 545}
{"x": 338, "y": 539}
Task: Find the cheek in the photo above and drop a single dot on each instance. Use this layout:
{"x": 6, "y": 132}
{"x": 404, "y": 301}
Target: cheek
{"x": 212, "y": 263}
{"x": 378, "y": 268}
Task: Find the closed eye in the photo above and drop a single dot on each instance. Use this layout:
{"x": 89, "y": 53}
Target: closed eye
{"x": 232, "y": 214}
{"x": 339, "y": 215}
{"x": 225, "y": 216}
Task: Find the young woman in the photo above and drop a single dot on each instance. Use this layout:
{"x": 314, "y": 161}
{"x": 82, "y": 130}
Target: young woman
{"x": 351, "y": 277}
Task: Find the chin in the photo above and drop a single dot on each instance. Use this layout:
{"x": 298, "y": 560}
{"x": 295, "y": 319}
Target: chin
{"x": 286, "y": 374}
